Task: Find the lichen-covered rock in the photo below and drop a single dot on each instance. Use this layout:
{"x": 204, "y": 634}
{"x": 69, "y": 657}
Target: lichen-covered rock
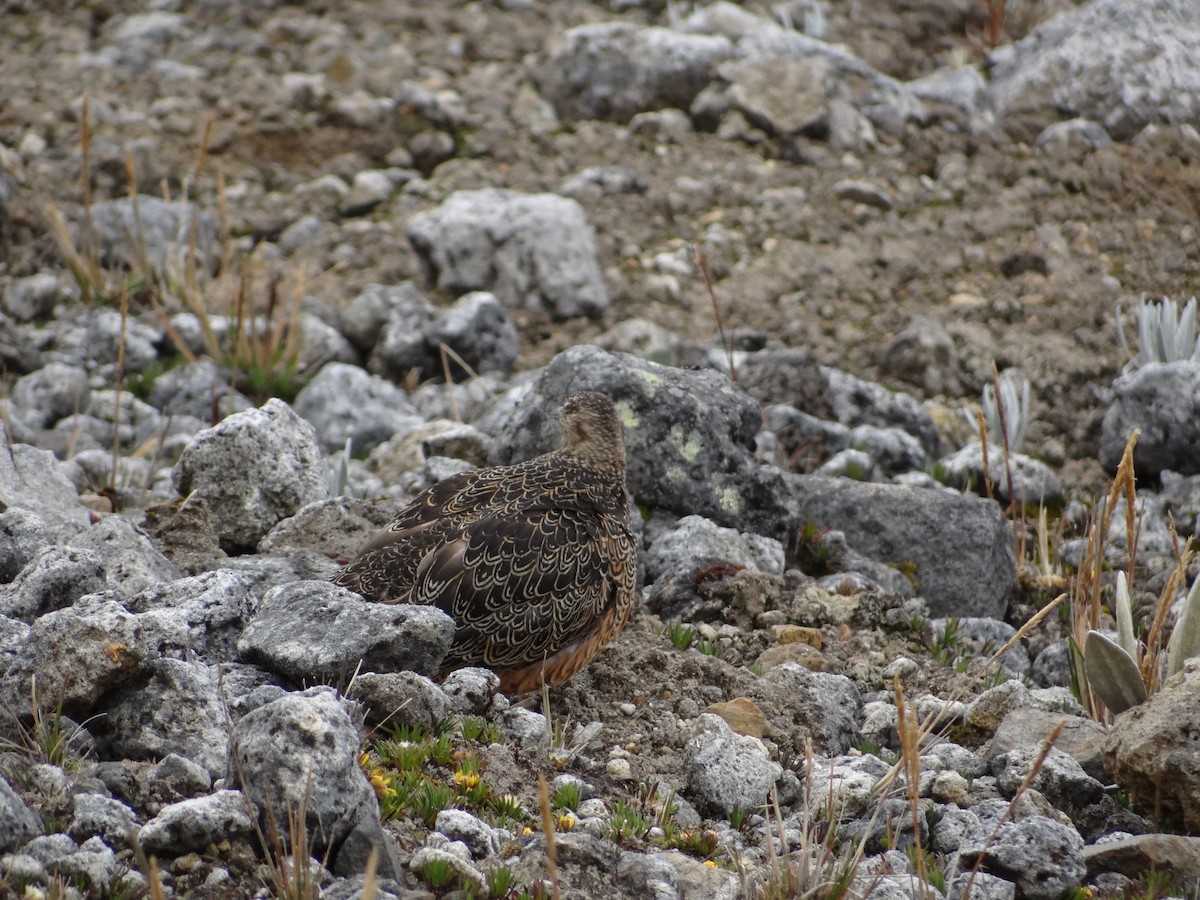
{"x": 253, "y": 469}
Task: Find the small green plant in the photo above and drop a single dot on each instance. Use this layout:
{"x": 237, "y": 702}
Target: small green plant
{"x": 567, "y": 796}
{"x": 947, "y": 643}
{"x": 499, "y": 882}
{"x": 480, "y": 730}
{"x": 428, "y": 800}
{"x": 709, "y": 648}
{"x": 628, "y": 822}
{"x": 737, "y": 816}
{"x": 509, "y": 807}
{"x": 438, "y": 874}
{"x": 680, "y": 635}
{"x": 48, "y": 737}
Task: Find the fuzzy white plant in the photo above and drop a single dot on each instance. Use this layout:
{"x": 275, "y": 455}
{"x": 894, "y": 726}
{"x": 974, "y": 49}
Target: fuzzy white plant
{"x": 1006, "y": 414}
{"x": 1165, "y": 333}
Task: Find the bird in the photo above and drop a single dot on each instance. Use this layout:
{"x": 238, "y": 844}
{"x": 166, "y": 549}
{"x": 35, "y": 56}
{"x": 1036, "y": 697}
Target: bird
{"x": 536, "y": 562}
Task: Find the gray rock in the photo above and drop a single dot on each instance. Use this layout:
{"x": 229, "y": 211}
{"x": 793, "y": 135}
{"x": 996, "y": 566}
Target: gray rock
{"x": 93, "y": 866}
{"x": 310, "y": 629}
{"x": 199, "y": 390}
{"x": 980, "y": 886}
{"x": 176, "y": 777}
{"x": 688, "y": 436}
{"x": 828, "y": 703}
{"x": 191, "y": 825}
{"x": 400, "y": 309}
{"x": 476, "y": 329}
{"x": 369, "y": 188}
{"x": 805, "y": 440}
{"x": 14, "y": 635}
{"x": 479, "y": 330}
{"x": 164, "y": 230}
{"x": 97, "y": 815}
{"x": 1150, "y": 749}
{"x": 1033, "y": 481}
{"x": 695, "y": 540}
{"x": 18, "y": 823}
{"x": 858, "y": 402}
{"x": 179, "y": 708}
{"x": 35, "y": 296}
{"x": 1163, "y": 400}
{"x": 31, "y": 479}
{"x": 253, "y": 469}
{"x": 1180, "y": 496}
{"x": 43, "y": 397}
{"x": 54, "y": 579}
{"x": 131, "y": 559}
{"x": 209, "y": 610}
{"x": 648, "y": 876}
{"x": 22, "y": 534}
{"x": 481, "y": 839}
{"x": 894, "y": 451}
{"x": 81, "y": 652}
{"x": 470, "y": 690}
{"x": 300, "y": 752}
{"x": 960, "y": 87}
{"x": 1044, "y": 858}
{"x": 1125, "y": 65}
{"x": 614, "y": 70}
{"x": 851, "y": 83}
{"x": 96, "y": 338}
{"x": 959, "y": 547}
{"x": 343, "y": 402}
{"x": 1059, "y": 778}
{"x": 1052, "y": 667}
{"x": 727, "y": 770}
{"x": 1072, "y": 139}
{"x": 1081, "y": 737}
{"x": 526, "y": 727}
{"x": 533, "y": 251}
{"x": 400, "y": 698}
{"x": 922, "y": 353}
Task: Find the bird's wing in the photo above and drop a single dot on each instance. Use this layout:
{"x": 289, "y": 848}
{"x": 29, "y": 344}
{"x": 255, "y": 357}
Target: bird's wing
{"x": 520, "y": 587}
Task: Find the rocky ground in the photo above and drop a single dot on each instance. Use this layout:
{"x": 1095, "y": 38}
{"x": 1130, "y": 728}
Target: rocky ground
{"x": 888, "y": 200}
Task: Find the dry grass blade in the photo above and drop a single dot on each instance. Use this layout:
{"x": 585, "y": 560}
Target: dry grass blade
{"x": 702, "y": 265}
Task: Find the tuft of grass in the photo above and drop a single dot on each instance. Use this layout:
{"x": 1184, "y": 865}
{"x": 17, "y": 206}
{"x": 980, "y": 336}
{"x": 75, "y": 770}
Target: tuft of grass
{"x": 567, "y": 796}
{"x": 248, "y": 311}
{"x": 628, "y": 822}
{"x": 709, "y": 648}
{"x": 46, "y": 736}
{"x": 680, "y": 635}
